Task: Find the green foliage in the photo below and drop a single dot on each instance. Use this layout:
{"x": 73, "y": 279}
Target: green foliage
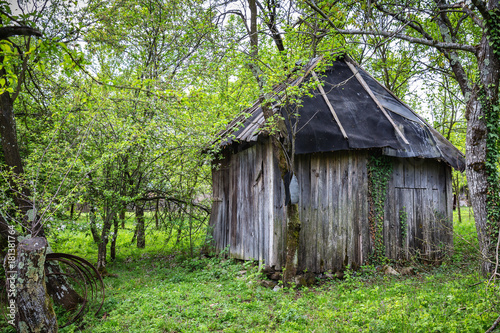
{"x": 492, "y": 117}
{"x": 124, "y": 116}
{"x": 494, "y": 30}
{"x": 161, "y": 289}
{"x": 403, "y": 221}
{"x": 465, "y": 243}
{"x": 379, "y": 173}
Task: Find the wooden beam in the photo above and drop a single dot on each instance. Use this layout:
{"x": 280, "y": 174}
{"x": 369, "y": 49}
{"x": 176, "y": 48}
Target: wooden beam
{"x": 370, "y": 92}
{"x": 322, "y": 91}
{"x": 309, "y": 69}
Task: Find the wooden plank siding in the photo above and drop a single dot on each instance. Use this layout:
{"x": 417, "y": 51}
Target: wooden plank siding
{"x": 426, "y": 197}
{"x": 249, "y": 215}
{"x": 248, "y": 206}
{"x": 334, "y": 210}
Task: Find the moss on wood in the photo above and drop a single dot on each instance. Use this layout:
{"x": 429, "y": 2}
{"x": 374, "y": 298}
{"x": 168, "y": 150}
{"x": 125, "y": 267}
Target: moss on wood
{"x": 292, "y": 243}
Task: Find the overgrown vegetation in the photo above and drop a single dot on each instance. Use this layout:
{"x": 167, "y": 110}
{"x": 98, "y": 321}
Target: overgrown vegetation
{"x": 403, "y": 223}
{"x": 379, "y": 172}
{"x": 106, "y": 106}
{"x": 162, "y": 289}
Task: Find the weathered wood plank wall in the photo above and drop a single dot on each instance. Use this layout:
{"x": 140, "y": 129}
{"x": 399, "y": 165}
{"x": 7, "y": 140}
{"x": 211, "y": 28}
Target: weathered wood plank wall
{"x": 248, "y": 206}
{"x": 421, "y": 189}
{"x": 248, "y": 212}
{"x": 333, "y": 209}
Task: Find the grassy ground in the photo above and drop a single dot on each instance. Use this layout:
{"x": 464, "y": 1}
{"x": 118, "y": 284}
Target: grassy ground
{"x": 163, "y": 290}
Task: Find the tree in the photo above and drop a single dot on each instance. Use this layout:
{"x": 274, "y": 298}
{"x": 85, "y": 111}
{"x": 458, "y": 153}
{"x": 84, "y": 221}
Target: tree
{"x": 28, "y": 42}
{"x": 458, "y": 32}
{"x": 11, "y": 83}
{"x": 143, "y": 66}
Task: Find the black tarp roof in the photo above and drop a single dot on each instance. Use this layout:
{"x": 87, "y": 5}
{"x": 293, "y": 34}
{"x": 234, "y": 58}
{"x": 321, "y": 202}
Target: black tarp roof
{"x": 363, "y": 121}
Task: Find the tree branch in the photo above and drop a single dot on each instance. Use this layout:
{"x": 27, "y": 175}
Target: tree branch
{"x": 176, "y": 200}
{"x": 270, "y": 20}
{"x": 474, "y": 18}
{"x": 444, "y": 21}
{"x": 320, "y": 12}
{"x": 448, "y": 52}
{"x": 483, "y": 9}
{"x": 427, "y": 40}
{"x": 414, "y": 40}
{"x": 6, "y": 32}
{"x": 240, "y": 14}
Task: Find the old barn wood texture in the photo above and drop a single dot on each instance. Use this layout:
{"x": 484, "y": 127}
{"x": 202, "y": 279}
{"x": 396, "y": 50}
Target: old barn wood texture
{"x": 248, "y": 214}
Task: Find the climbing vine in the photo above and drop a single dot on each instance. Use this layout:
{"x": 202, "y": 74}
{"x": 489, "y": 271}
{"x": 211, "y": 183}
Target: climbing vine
{"x": 403, "y": 222}
{"x": 492, "y": 117}
{"x": 379, "y": 172}
{"x": 494, "y": 31}
{"x": 492, "y": 154}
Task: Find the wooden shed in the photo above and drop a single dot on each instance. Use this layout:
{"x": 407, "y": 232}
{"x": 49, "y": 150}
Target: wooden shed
{"x": 345, "y": 129}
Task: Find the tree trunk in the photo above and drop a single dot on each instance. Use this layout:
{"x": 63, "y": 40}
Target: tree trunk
{"x": 8, "y": 133}
{"x": 141, "y": 236}
{"x": 93, "y": 225}
{"x": 180, "y": 228}
{"x": 280, "y": 150}
{"x": 113, "y": 240}
{"x": 254, "y": 44}
{"x": 101, "y": 255}
{"x": 157, "y": 208}
{"x": 60, "y": 289}
{"x": 103, "y": 242}
{"x": 33, "y": 305}
{"x": 477, "y": 169}
{"x": 13, "y": 160}
{"x": 122, "y": 217}
{"x": 477, "y": 177}
{"x": 190, "y": 221}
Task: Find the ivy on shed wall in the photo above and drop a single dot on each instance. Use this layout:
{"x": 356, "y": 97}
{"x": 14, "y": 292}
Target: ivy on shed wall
{"x": 379, "y": 172}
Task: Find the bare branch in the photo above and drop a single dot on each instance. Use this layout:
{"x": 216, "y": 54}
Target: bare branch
{"x": 414, "y": 40}
{"x": 270, "y": 20}
{"x": 177, "y": 201}
{"x": 427, "y": 40}
{"x": 474, "y": 18}
{"x": 444, "y": 22}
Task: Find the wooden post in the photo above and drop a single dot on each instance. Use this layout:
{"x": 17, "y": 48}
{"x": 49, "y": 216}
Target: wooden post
{"x": 34, "y": 307}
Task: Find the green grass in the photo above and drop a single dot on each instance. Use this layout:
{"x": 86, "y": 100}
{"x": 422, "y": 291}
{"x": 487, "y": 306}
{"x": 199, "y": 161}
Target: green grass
{"x": 161, "y": 289}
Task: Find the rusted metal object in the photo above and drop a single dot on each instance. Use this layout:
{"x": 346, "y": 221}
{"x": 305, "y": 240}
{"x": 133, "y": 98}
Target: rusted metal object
{"x": 86, "y": 277}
